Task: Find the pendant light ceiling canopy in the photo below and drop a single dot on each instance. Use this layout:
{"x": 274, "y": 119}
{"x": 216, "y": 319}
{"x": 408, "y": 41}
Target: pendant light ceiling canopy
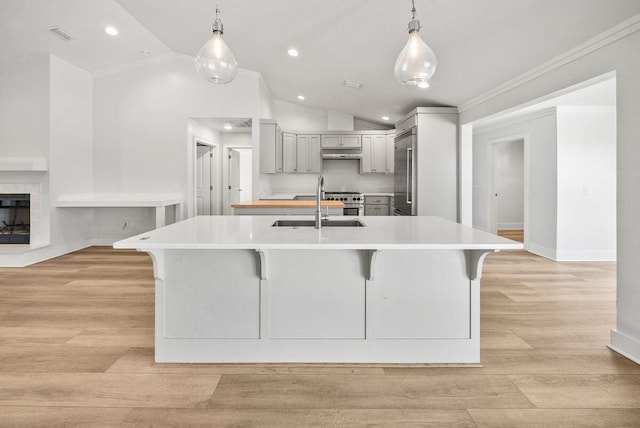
{"x": 215, "y": 62}
{"x": 417, "y": 63}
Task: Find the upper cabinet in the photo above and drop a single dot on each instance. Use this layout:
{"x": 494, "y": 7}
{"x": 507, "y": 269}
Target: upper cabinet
{"x": 298, "y": 152}
{"x": 301, "y": 153}
{"x": 270, "y": 148}
{"x": 347, "y": 141}
{"x": 377, "y": 154}
{"x": 309, "y": 157}
{"x": 289, "y": 153}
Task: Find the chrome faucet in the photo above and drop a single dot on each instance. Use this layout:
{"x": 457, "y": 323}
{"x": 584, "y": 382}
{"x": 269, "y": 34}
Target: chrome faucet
{"x": 319, "y": 197}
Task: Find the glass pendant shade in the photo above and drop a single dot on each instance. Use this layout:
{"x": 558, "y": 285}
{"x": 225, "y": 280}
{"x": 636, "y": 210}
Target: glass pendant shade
{"x": 416, "y": 63}
{"x": 215, "y": 62}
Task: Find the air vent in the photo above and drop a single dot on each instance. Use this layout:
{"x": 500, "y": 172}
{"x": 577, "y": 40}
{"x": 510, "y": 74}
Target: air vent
{"x": 352, "y": 84}
{"x": 64, "y": 35}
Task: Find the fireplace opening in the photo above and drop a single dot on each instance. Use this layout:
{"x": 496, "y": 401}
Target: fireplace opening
{"x": 15, "y": 214}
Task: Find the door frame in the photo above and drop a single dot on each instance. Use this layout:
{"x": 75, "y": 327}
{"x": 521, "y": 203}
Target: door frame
{"x": 491, "y": 207}
{"x": 226, "y": 206}
{"x": 215, "y": 173}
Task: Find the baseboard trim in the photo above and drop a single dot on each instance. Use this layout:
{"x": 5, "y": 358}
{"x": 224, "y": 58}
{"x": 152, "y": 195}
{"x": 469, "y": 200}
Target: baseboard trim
{"x": 542, "y": 251}
{"x": 625, "y": 345}
{"x": 41, "y": 254}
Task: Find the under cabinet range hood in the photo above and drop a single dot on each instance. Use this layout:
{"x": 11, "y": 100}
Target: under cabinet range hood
{"x": 341, "y": 154}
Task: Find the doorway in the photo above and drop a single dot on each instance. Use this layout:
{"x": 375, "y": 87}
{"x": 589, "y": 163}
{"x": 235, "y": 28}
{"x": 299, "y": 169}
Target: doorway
{"x": 507, "y": 207}
{"x": 205, "y": 184}
{"x": 240, "y": 175}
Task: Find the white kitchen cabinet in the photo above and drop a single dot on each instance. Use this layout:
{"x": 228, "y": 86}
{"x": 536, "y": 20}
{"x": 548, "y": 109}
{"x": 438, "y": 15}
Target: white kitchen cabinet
{"x": 289, "y": 152}
{"x": 270, "y": 148}
{"x": 377, "y": 205}
{"x": 330, "y": 141}
{"x": 308, "y": 156}
{"x": 374, "y": 154}
{"x": 390, "y": 139}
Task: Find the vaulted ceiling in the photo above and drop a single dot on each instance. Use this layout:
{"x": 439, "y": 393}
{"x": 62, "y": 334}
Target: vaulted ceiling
{"x": 479, "y": 43}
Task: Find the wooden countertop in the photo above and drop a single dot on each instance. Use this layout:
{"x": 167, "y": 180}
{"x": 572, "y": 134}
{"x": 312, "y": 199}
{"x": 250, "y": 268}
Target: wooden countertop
{"x": 287, "y": 204}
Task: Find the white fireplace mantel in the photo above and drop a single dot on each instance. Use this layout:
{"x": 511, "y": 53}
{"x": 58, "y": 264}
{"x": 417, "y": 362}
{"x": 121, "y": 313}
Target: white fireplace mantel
{"x": 33, "y": 163}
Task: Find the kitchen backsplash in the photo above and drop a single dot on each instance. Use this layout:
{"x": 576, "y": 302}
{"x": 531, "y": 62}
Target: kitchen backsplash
{"x": 339, "y": 175}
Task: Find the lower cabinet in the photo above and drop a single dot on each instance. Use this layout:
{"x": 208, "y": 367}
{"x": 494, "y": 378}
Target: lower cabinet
{"x": 377, "y": 205}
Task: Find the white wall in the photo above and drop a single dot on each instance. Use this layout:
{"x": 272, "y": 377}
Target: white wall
{"x": 337, "y": 121}
{"x": 539, "y": 130}
{"x": 298, "y": 118}
{"x": 508, "y": 162}
{"x": 24, "y": 107}
{"x": 586, "y": 183}
{"x": 140, "y": 126}
{"x": 70, "y": 151}
{"x": 339, "y": 175}
{"x": 615, "y": 52}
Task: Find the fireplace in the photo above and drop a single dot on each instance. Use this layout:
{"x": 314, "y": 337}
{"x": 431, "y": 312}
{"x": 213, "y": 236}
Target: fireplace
{"x": 15, "y": 218}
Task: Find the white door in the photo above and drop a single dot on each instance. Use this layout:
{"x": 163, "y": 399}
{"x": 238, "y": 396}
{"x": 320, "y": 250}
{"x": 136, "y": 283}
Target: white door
{"x": 239, "y": 175}
{"x": 204, "y": 180}
{"x": 507, "y": 208}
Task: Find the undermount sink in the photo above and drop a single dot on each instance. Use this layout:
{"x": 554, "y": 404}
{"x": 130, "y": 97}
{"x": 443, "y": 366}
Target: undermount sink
{"x": 312, "y": 223}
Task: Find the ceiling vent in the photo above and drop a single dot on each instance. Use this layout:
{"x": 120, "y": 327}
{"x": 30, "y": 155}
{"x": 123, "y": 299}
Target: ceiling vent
{"x": 64, "y": 35}
{"x": 352, "y": 84}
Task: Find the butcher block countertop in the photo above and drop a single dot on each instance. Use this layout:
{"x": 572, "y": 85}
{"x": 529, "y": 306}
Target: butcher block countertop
{"x": 287, "y": 204}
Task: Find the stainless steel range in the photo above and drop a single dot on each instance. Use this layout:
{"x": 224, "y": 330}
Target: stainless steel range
{"x": 353, "y": 201}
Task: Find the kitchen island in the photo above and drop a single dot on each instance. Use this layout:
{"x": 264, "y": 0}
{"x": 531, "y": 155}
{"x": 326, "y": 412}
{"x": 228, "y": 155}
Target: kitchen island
{"x": 238, "y": 289}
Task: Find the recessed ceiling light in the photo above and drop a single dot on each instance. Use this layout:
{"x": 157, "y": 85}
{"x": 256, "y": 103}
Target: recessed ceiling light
{"x": 292, "y": 52}
{"x": 301, "y": 97}
{"x": 385, "y": 117}
{"x": 423, "y": 85}
{"x": 228, "y": 126}
{"x": 112, "y": 31}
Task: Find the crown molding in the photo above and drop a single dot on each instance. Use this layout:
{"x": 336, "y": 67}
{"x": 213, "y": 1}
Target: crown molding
{"x": 161, "y": 58}
{"x": 612, "y": 35}
{"x": 550, "y": 111}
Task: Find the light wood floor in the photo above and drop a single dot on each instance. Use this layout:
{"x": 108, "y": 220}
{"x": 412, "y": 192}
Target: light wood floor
{"x": 515, "y": 234}
{"x": 76, "y": 349}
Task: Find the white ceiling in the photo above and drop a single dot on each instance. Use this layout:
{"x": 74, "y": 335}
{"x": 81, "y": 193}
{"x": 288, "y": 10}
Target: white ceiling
{"x": 237, "y": 125}
{"x": 479, "y": 43}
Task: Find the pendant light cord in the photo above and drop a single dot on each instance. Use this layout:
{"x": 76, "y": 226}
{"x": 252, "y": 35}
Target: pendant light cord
{"x": 413, "y": 9}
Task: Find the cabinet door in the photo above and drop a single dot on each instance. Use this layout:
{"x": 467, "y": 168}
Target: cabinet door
{"x": 389, "y": 168}
{"x": 268, "y": 155}
{"x": 330, "y": 141}
{"x": 315, "y": 154}
{"x": 366, "y": 163}
{"x": 379, "y": 149}
{"x": 302, "y": 153}
{"x": 278, "y": 149}
{"x": 374, "y": 154}
{"x": 289, "y": 160}
{"x": 350, "y": 141}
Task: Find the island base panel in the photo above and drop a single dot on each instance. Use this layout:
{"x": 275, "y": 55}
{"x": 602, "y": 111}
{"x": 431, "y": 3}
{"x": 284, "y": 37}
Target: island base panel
{"x": 227, "y": 306}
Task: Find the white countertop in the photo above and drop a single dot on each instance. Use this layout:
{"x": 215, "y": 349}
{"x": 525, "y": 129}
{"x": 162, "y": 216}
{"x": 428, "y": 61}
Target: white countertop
{"x": 256, "y": 232}
{"x": 89, "y": 200}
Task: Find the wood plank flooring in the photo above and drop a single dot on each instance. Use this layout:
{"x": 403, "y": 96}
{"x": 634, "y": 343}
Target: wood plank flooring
{"x": 515, "y": 234}
{"x": 76, "y": 349}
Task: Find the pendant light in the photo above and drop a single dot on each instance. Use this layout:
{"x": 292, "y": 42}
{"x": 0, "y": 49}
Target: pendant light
{"x": 417, "y": 62}
{"x": 215, "y": 62}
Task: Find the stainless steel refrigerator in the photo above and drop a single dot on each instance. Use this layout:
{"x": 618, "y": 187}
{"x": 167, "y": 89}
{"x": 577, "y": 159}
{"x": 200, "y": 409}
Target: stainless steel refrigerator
{"x": 404, "y": 160}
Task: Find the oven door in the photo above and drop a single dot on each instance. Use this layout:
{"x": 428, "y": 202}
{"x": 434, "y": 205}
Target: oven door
{"x": 354, "y": 211}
